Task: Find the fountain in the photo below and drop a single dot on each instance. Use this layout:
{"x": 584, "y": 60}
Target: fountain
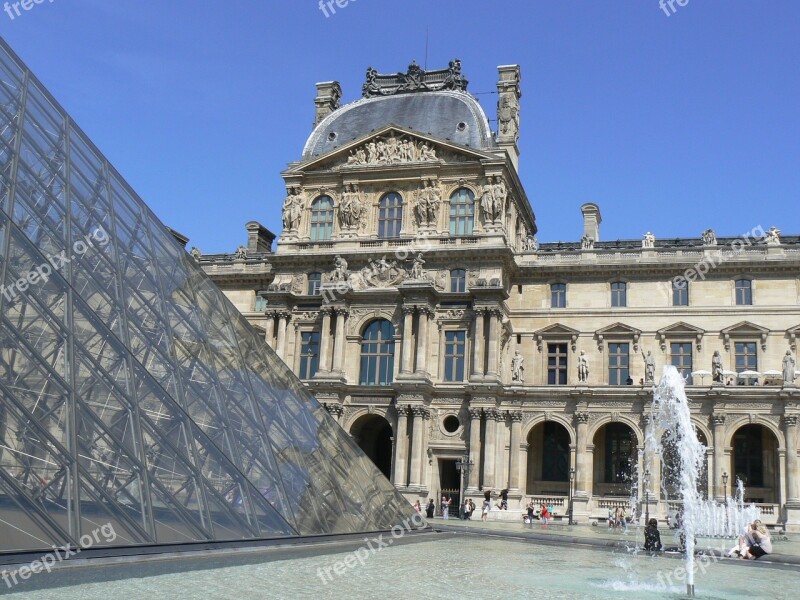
{"x": 670, "y": 426}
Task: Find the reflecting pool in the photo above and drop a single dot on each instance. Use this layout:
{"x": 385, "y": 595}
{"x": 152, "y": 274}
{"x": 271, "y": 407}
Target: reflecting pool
{"x": 449, "y": 566}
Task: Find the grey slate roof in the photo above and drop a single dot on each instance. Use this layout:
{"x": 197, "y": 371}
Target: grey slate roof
{"x": 435, "y": 113}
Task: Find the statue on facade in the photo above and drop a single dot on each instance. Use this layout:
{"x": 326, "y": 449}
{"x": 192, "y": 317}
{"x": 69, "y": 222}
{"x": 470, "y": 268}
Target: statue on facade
{"x": 709, "y": 237}
{"x": 350, "y": 208}
{"x": 789, "y": 365}
{"x": 426, "y": 208}
{"x": 773, "y": 237}
{"x": 241, "y": 253}
{"x": 716, "y": 368}
{"x": 453, "y": 79}
{"x": 649, "y": 367}
{"x": 531, "y": 243}
{"x": 340, "y": 272}
{"x": 417, "y": 272}
{"x": 587, "y": 243}
{"x": 196, "y": 254}
{"x": 493, "y": 198}
{"x": 518, "y": 367}
{"x": 648, "y": 240}
{"x": 292, "y": 210}
{"x": 583, "y": 368}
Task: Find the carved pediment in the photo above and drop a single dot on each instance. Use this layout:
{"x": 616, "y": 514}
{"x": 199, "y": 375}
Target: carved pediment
{"x": 683, "y": 330}
{"x": 556, "y": 331}
{"x": 618, "y": 331}
{"x": 392, "y": 146}
{"x": 745, "y": 329}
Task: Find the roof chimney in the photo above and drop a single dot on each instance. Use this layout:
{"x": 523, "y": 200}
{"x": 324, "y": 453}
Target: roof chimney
{"x": 259, "y": 238}
{"x": 328, "y": 95}
{"x": 591, "y": 221}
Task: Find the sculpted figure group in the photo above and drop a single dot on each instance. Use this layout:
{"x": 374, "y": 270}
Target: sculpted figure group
{"x": 493, "y": 199}
{"x": 392, "y": 150}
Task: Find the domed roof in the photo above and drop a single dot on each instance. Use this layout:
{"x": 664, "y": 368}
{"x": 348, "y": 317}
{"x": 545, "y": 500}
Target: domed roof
{"x": 448, "y": 114}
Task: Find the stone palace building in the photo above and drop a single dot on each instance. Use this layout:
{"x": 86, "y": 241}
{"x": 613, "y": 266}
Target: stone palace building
{"x": 407, "y": 289}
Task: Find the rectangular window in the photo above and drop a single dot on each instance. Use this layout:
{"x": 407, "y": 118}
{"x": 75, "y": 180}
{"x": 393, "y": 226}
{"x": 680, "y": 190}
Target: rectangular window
{"x": 680, "y": 292}
{"x": 454, "y": 353}
{"x": 458, "y": 281}
{"x": 746, "y": 356}
{"x": 681, "y": 354}
{"x": 744, "y": 292}
{"x": 314, "y": 281}
{"x": 618, "y": 362}
{"x": 619, "y": 293}
{"x": 261, "y": 304}
{"x": 556, "y": 364}
{"x": 558, "y": 295}
{"x": 309, "y": 354}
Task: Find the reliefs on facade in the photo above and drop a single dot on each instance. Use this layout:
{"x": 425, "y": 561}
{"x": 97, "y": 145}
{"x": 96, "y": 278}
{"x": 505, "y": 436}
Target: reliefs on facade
{"x": 392, "y": 150}
{"x": 508, "y": 116}
{"x": 414, "y": 80}
{"x": 428, "y": 199}
{"x": 340, "y": 271}
{"x": 292, "y": 210}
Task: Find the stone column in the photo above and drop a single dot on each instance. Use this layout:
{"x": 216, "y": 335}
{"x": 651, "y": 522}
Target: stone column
{"x": 270, "y": 329}
{"x": 516, "y": 433}
{"x": 501, "y": 461}
{"x": 719, "y": 456}
{"x": 400, "y": 477}
{"x": 790, "y": 430}
{"x": 490, "y": 448}
{"x": 408, "y": 339}
{"x": 583, "y": 459}
{"x": 283, "y": 323}
{"x": 325, "y": 341}
{"x": 417, "y": 438}
{"x": 474, "y": 449}
{"x": 422, "y": 342}
{"x": 494, "y": 342}
{"x": 339, "y": 341}
{"x": 478, "y": 344}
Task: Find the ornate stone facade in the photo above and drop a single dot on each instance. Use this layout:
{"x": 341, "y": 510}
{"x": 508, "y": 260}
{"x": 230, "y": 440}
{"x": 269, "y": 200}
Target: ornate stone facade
{"x": 446, "y": 330}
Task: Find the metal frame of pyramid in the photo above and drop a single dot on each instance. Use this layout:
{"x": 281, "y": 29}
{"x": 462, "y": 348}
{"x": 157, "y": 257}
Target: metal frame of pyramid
{"x": 132, "y": 392}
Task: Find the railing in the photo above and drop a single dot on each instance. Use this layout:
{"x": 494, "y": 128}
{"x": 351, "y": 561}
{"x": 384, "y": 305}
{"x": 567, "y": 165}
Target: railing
{"x": 613, "y": 502}
{"x": 372, "y": 244}
{"x": 767, "y": 509}
{"x": 549, "y": 500}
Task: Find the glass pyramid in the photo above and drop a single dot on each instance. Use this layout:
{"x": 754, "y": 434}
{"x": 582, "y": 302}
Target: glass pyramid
{"x": 132, "y": 393}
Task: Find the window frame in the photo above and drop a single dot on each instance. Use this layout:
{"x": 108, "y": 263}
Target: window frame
{"x": 616, "y": 293}
{"x": 377, "y": 362}
{"x": 558, "y": 369}
{"x": 455, "y": 355}
{"x": 680, "y": 292}
{"x": 311, "y": 288}
{"x": 454, "y": 280}
{"x": 462, "y": 223}
{"x": 390, "y": 216}
{"x": 321, "y": 230}
{"x": 747, "y": 291}
{"x": 619, "y": 369}
{"x": 673, "y": 355}
{"x": 308, "y": 363}
{"x": 560, "y": 294}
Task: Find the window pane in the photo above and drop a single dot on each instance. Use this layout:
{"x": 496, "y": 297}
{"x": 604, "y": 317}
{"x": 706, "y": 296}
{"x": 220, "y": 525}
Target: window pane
{"x": 462, "y": 212}
{"x": 314, "y": 281}
{"x": 618, "y": 358}
{"x": 309, "y": 354}
{"x": 377, "y": 354}
{"x": 680, "y": 292}
{"x": 681, "y": 356}
{"x": 558, "y": 295}
{"x": 321, "y": 219}
{"x": 454, "y": 355}
{"x": 556, "y": 364}
{"x": 390, "y": 215}
{"x": 619, "y": 293}
{"x": 458, "y": 281}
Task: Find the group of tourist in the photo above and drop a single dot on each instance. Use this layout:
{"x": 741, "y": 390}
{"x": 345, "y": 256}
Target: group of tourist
{"x": 754, "y": 543}
{"x": 618, "y": 518}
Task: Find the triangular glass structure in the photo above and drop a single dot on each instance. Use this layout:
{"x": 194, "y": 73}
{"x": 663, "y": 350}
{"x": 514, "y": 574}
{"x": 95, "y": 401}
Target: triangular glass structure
{"x": 132, "y": 393}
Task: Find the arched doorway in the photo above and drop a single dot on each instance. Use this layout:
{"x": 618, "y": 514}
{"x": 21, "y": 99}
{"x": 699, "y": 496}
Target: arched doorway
{"x": 548, "y": 459}
{"x": 754, "y": 460}
{"x": 373, "y": 434}
{"x": 615, "y": 458}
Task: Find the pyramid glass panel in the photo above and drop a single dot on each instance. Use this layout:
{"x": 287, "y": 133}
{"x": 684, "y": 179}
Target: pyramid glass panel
{"x": 132, "y": 393}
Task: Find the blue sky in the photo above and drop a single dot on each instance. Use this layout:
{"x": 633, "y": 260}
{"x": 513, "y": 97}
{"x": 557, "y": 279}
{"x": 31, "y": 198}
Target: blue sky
{"x": 670, "y": 123}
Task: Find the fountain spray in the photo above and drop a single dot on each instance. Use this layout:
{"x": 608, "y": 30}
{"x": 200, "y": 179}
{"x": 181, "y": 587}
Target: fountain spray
{"x": 670, "y": 417}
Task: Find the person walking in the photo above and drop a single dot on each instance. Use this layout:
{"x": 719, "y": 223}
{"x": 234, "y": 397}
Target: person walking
{"x": 531, "y": 510}
{"x": 544, "y": 514}
{"x": 430, "y": 508}
{"x": 446, "y": 507}
{"x": 485, "y": 509}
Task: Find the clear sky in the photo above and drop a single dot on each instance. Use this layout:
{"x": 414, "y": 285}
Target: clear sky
{"x": 670, "y": 123}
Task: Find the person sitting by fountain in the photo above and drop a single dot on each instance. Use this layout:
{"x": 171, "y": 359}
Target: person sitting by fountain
{"x": 652, "y": 537}
{"x": 758, "y": 542}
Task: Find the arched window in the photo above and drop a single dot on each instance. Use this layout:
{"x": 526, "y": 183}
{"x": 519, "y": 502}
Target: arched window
{"x": 321, "y": 219}
{"x": 462, "y": 212}
{"x": 458, "y": 281}
{"x": 377, "y": 353}
{"x": 390, "y": 215}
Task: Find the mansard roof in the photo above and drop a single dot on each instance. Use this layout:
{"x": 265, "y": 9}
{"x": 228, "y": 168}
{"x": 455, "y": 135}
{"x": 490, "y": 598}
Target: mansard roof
{"x": 451, "y": 115}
